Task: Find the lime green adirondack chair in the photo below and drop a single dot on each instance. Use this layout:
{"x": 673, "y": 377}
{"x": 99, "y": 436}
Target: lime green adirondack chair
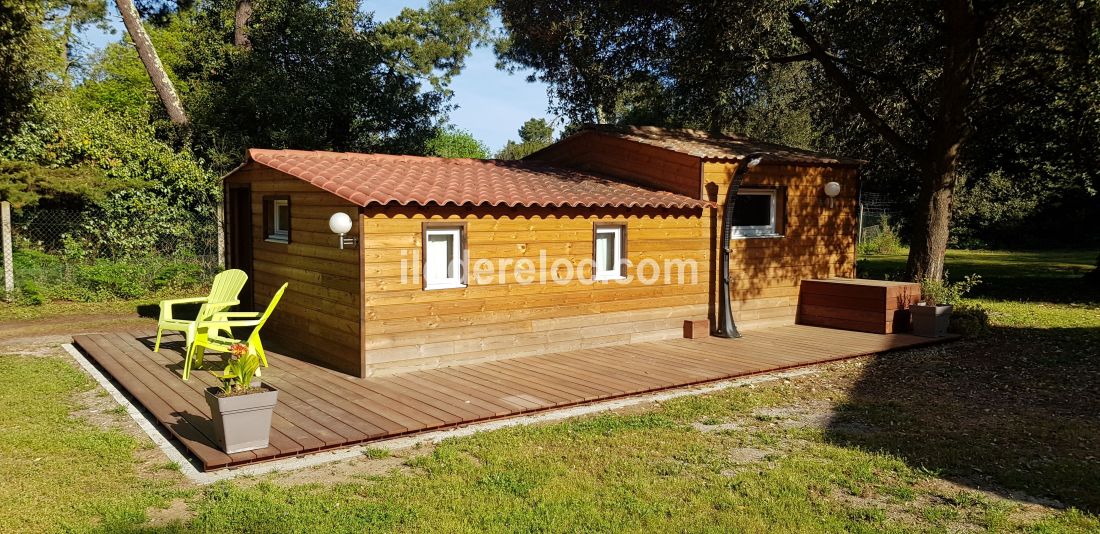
{"x": 223, "y": 294}
{"x": 208, "y": 334}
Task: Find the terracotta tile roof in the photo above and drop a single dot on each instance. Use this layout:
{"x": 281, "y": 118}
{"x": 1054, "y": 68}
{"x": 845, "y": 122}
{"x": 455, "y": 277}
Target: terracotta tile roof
{"x": 367, "y": 179}
{"x": 713, "y": 146}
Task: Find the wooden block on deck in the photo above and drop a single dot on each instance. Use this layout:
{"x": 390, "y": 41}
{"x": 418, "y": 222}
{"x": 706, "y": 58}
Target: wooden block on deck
{"x": 876, "y": 306}
{"x": 695, "y": 329}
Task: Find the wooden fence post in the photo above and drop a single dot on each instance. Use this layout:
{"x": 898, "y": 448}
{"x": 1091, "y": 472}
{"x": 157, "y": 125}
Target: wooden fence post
{"x": 5, "y": 230}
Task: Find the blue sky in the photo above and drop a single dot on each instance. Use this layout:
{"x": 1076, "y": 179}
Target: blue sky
{"x": 490, "y": 104}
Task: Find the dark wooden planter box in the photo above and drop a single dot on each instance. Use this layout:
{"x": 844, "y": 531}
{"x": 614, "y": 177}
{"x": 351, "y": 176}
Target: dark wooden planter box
{"x": 874, "y": 306}
{"x": 242, "y": 422}
{"x": 931, "y": 321}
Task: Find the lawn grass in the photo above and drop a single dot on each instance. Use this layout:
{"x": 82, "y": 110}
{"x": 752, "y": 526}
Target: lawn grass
{"x": 1025, "y": 276}
{"x": 58, "y": 471}
{"x": 144, "y": 306}
{"x": 998, "y": 433}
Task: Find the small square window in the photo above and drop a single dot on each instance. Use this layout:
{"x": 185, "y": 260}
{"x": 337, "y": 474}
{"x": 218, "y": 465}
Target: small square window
{"x": 754, "y": 213}
{"x": 444, "y": 257}
{"x": 609, "y": 253}
{"x": 277, "y": 219}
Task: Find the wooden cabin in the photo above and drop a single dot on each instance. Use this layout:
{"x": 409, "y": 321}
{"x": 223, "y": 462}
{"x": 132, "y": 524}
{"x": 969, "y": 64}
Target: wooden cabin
{"x": 608, "y": 237}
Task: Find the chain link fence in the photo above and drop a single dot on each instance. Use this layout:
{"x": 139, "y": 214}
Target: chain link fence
{"x": 875, "y": 209}
{"x": 56, "y": 231}
{"x": 73, "y": 255}
{"x": 877, "y": 231}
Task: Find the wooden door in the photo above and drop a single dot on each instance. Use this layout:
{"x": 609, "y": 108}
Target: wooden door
{"x": 239, "y": 206}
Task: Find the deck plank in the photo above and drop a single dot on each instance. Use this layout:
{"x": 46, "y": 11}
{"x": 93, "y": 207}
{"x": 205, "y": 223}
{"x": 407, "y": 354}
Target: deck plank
{"x": 320, "y": 409}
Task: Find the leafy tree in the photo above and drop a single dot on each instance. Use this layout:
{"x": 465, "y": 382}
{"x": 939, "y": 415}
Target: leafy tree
{"x": 433, "y": 42}
{"x": 24, "y": 61}
{"x": 117, "y": 80}
{"x": 536, "y": 131}
{"x": 67, "y": 19}
{"x": 315, "y": 77}
{"x": 911, "y": 82}
{"x": 135, "y": 189}
{"x": 1034, "y": 169}
{"x": 454, "y": 143}
{"x": 534, "y": 135}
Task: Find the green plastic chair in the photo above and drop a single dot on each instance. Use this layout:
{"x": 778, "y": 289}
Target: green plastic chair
{"x": 223, "y": 294}
{"x": 208, "y": 334}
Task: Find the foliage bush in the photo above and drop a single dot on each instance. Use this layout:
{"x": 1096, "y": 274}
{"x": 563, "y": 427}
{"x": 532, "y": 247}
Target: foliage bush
{"x": 44, "y": 277}
{"x": 947, "y": 293}
{"x": 882, "y": 239}
{"x": 969, "y": 320}
{"x": 137, "y": 194}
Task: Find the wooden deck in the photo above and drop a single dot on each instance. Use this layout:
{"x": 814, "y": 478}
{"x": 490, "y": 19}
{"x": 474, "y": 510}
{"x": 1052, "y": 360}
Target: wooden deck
{"x": 320, "y": 409}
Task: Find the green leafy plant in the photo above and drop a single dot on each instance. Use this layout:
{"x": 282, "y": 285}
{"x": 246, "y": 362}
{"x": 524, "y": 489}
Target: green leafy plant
{"x": 947, "y": 293}
{"x": 30, "y": 294}
{"x": 178, "y": 275}
{"x": 881, "y": 239}
{"x": 239, "y": 370}
{"x": 108, "y": 279}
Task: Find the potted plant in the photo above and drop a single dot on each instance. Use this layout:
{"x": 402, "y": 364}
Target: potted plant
{"x": 242, "y": 407}
{"x": 932, "y": 315}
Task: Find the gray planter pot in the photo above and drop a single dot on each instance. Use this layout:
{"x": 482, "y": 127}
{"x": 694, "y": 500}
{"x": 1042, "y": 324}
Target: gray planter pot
{"x": 242, "y": 422}
{"x": 930, "y": 321}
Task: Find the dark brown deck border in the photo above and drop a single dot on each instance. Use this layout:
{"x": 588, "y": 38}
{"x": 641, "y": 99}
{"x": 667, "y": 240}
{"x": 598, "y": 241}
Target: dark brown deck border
{"x": 321, "y": 409}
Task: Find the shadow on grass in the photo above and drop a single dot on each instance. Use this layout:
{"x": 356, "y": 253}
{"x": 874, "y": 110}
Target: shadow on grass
{"x": 1016, "y": 412}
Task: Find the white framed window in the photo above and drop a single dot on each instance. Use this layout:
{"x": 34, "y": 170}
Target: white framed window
{"x": 444, "y": 257}
{"x": 277, "y": 219}
{"x": 754, "y": 213}
{"x": 609, "y": 253}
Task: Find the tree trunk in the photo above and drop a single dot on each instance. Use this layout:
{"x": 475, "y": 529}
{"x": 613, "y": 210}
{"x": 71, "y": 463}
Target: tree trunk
{"x": 165, "y": 90}
{"x": 66, "y": 49}
{"x": 240, "y": 24}
{"x": 931, "y": 224}
{"x": 928, "y": 244}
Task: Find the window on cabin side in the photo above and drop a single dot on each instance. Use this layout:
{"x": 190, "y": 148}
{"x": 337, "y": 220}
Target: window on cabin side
{"x": 277, "y": 219}
{"x": 444, "y": 258}
{"x": 754, "y": 213}
{"x": 609, "y": 254}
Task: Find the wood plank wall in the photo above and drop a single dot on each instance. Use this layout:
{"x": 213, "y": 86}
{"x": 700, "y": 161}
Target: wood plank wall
{"x": 319, "y": 316}
{"x": 407, "y": 327}
{"x": 636, "y": 162}
{"x": 819, "y": 240}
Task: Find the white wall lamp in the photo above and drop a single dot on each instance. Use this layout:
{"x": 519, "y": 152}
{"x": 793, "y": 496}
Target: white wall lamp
{"x": 340, "y": 223}
{"x": 832, "y": 189}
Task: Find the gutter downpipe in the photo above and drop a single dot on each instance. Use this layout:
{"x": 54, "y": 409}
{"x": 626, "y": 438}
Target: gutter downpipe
{"x": 726, "y": 327}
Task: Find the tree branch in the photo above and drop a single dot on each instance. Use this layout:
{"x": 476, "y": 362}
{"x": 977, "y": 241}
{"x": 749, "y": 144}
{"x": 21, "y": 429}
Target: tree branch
{"x": 837, "y": 76}
{"x": 901, "y": 87}
{"x": 795, "y": 58}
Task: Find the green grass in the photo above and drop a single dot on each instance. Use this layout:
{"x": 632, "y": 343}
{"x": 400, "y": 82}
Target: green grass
{"x": 60, "y": 473}
{"x": 146, "y": 306}
{"x": 1047, "y": 276}
{"x": 954, "y": 438}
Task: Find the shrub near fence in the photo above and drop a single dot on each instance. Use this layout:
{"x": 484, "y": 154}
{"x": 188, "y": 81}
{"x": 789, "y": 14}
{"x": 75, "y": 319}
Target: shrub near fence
{"x": 67, "y": 255}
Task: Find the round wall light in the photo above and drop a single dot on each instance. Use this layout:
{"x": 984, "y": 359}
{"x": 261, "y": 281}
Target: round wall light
{"x": 832, "y": 189}
{"x": 340, "y": 223}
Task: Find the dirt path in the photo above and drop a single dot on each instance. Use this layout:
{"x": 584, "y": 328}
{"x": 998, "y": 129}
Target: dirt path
{"x": 29, "y": 336}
